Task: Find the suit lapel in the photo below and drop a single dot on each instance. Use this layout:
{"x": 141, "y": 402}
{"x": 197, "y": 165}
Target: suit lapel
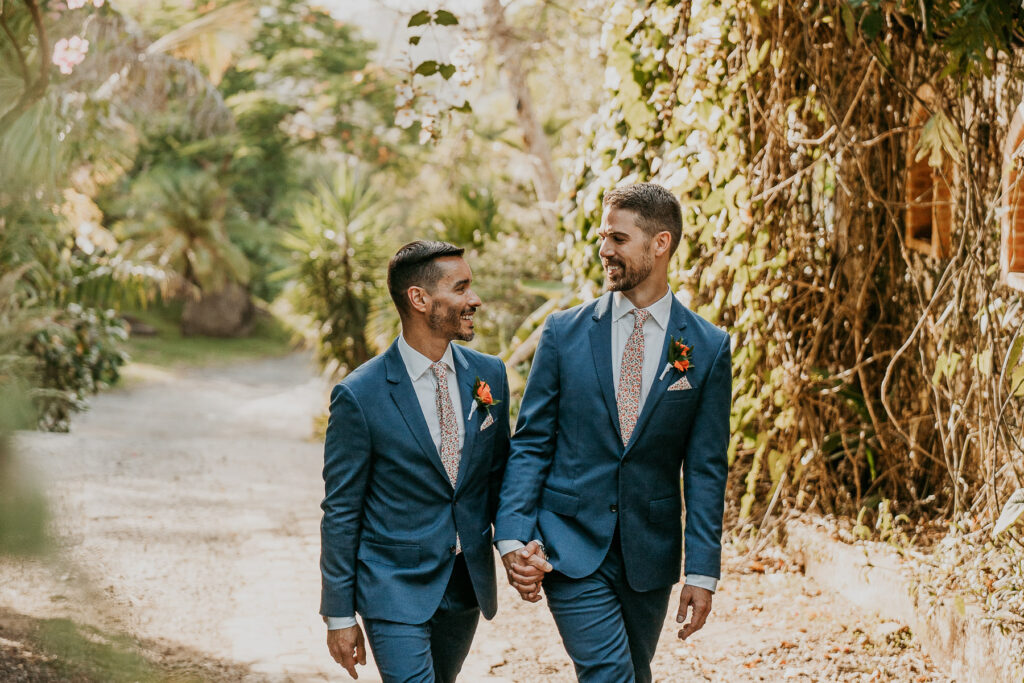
{"x": 404, "y": 396}
{"x": 466, "y": 376}
{"x": 676, "y": 324}
{"x": 601, "y": 347}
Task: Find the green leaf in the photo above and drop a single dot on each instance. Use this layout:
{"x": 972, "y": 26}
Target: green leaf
{"x": 427, "y": 68}
{"x": 1017, "y": 381}
{"x": 871, "y": 25}
{"x": 420, "y": 18}
{"x": 1011, "y": 514}
{"x": 446, "y": 70}
{"x": 445, "y": 18}
{"x": 1013, "y": 357}
{"x": 414, "y": 40}
{"x": 464, "y": 107}
{"x": 849, "y": 23}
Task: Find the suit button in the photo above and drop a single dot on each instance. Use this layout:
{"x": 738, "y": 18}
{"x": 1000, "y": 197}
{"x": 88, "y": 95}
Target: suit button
{"x": 451, "y": 549}
{"x": 613, "y": 507}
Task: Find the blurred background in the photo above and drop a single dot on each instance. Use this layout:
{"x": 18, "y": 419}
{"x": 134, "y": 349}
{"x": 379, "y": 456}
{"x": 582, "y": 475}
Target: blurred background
{"x": 198, "y": 201}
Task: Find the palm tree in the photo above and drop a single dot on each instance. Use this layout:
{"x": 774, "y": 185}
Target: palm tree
{"x": 339, "y": 252}
{"x": 177, "y": 220}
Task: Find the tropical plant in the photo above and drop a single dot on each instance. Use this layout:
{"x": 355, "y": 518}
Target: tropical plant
{"x": 339, "y": 251}
{"x": 78, "y": 353}
{"x": 177, "y": 219}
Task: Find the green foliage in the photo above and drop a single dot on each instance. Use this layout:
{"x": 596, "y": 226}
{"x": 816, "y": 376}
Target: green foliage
{"x": 78, "y": 353}
{"x": 168, "y": 348}
{"x": 471, "y": 217}
{"x": 338, "y": 255}
{"x": 178, "y": 220}
{"x": 972, "y": 34}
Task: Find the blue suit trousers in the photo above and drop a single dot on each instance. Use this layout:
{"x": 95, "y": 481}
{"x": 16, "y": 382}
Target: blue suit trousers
{"x": 431, "y": 652}
{"x": 609, "y": 630}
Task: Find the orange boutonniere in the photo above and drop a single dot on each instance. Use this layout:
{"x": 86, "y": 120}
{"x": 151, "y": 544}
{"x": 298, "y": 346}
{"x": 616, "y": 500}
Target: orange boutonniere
{"x": 482, "y": 397}
{"x": 678, "y": 356}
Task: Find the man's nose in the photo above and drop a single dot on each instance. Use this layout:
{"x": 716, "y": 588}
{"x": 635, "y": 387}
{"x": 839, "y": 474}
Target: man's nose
{"x": 605, "y": 251}
{"x": 474, "y": 300}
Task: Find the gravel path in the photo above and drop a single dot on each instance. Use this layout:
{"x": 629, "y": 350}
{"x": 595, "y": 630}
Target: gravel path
{"x": 187, "y": 509}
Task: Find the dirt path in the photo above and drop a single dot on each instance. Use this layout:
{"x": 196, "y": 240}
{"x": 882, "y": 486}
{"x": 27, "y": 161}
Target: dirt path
{"x": 187, "y": 509}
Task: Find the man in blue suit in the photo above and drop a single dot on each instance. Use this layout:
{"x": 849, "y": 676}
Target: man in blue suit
{"x": 624, "y": 391}
{"x": 415, "y": 450}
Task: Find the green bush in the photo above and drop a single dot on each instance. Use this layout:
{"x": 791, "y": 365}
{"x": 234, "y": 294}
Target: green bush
{"x": 78, "y": 353}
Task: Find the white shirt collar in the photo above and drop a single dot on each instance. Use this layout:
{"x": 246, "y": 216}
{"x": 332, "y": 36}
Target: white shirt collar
{"x": 660, "y": 310}
{"x": 416, "y": 363}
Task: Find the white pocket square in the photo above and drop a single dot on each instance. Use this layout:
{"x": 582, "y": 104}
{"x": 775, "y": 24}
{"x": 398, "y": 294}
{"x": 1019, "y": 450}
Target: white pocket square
{"x": 488, "y": 421}
{"x": 681, "y": 384}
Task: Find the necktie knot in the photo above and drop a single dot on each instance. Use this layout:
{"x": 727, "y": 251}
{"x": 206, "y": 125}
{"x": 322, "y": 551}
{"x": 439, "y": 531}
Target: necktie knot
{"x": 641, "y": 316}
{"x": 440, "y": 371}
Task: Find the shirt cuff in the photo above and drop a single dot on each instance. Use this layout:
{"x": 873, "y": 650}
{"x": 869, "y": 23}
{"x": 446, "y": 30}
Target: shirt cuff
{"x": 335, "y": 623}
{"x": 506, "y": 547}
{"x": 707, "y": 582}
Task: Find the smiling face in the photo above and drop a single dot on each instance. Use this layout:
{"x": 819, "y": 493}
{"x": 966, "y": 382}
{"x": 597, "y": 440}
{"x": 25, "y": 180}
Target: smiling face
{"x": 627, "y": 252}
{"x": 452, "y": 302}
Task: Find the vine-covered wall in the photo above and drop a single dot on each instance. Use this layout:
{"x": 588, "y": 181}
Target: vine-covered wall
{"x": 864, "y": 370}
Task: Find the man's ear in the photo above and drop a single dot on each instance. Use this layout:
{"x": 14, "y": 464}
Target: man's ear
{"x": 662, "y": 242}
{"x": 419, "y": 298}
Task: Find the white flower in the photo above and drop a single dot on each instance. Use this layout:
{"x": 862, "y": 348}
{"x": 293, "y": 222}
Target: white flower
{"x": 76, "y": 4}
{"x": 403, "y": 94}
{"x": 431, "y": 107}
{"x": 404, "y": 118}
{"x": 612, "y": 78}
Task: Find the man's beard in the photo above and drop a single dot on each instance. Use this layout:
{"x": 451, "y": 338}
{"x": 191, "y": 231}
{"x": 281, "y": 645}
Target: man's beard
{"x": 448, "y": 321}
{"x": 632, "y": 274}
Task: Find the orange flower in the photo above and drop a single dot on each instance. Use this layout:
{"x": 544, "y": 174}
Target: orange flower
{"x": 483, "y": 393}
{"x": 682, "y": 365}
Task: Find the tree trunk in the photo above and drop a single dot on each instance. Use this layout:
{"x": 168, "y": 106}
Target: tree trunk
{"x": 510, "y": 60}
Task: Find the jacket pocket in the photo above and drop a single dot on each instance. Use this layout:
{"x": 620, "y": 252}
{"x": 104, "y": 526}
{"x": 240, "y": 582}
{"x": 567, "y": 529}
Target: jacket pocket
{"x": 393, "y": 554}
{"x": 664, "y": 508}
{"x": 559, "y": 502}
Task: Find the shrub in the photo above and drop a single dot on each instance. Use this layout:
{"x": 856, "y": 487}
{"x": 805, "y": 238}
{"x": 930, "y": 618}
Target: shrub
{"x": 78, "y": 353}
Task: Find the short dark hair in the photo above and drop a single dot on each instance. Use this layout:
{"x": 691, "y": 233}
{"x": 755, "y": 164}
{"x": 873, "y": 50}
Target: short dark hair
{"x": 656, "y": 209}
{"x": 414, "y": 265}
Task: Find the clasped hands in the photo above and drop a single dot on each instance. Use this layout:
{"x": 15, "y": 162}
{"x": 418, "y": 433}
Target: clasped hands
{"x": 526, "y": 568}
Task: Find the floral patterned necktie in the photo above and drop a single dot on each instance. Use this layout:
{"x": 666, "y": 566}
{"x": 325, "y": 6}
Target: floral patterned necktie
{"x": 450, "y": 451}
{"x": 630, "y": 374}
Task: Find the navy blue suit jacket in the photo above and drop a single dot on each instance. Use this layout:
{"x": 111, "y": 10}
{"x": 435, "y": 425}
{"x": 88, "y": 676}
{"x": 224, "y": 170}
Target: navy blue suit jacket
{"x": 569, "y": 478}
{"x": 390, "y": 513}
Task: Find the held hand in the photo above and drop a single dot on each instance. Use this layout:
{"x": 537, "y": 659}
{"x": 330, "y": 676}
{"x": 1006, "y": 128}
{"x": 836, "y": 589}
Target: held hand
{"x": 700, "y": 600}
{"x": 525, "y": 569}
{"x": 347, "y": 648}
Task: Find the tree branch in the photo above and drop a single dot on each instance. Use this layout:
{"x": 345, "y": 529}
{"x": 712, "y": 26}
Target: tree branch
{"x": 14, "y": 41}
{"x": 33, "y": 91}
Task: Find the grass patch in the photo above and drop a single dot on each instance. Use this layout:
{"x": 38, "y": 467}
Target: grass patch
{"x": 59, "y": 650}
{"x": 270, "y": 337}
{"x": 85, "y": 652}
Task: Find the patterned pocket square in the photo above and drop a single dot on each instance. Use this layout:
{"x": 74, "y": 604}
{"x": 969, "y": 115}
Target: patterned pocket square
{"x": 488, "y": 421}
{"x": 681, "y": 384}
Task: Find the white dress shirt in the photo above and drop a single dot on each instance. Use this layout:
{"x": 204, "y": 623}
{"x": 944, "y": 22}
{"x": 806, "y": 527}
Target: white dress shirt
{"x": 425, "y": 383}
{"x": 654, "y": 362}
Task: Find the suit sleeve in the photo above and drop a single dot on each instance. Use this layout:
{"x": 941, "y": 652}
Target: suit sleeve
{"x": 499, "y": 458}
{"x": 533, "y": 444}
{"x": 705, "y": 469}
{"x": 346, "y": 472}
